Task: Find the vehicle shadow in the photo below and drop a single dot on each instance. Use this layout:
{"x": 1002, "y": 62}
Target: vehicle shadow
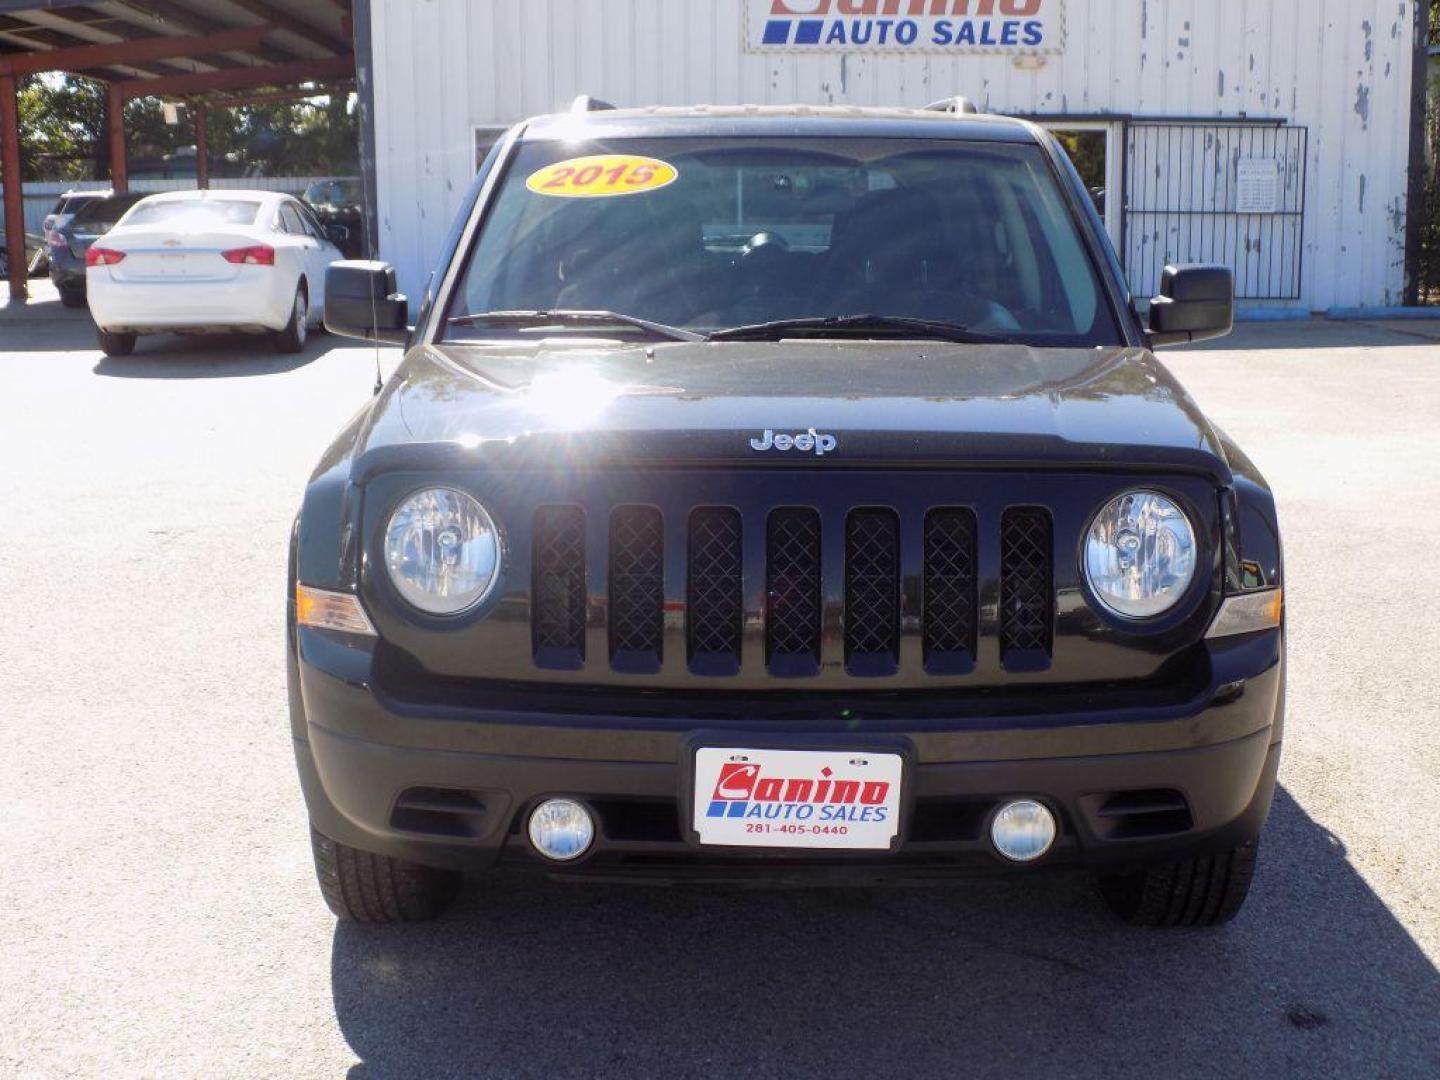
{"x": 44, "y": 325}
{"x": 213, "y": 356}
{"x": 984, "y": 977}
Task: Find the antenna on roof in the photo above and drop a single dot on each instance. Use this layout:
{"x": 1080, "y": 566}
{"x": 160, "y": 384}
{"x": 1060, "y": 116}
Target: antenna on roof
{"x": 585, "y": 103}
{"x": 959, "y": 105}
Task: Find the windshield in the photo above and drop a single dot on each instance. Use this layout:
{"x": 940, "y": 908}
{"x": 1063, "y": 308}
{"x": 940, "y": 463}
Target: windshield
{"x": 102, "y": 214}
{"x": 333, "y": 191}
{"x": 197, "y": 212}
{"x": 711, "y": 234}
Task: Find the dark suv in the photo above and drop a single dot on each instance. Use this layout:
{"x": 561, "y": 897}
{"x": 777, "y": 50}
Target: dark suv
{"x": 338, "y": 205}
{"x": 71, "y": 238}
{"x": 784, "y": 494}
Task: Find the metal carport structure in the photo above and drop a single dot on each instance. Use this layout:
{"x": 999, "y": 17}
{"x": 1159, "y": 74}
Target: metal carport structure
{"x": 205, "y": 52}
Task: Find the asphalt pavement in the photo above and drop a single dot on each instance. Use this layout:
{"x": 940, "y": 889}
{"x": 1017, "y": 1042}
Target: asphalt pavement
{"x": 158, "y": 911}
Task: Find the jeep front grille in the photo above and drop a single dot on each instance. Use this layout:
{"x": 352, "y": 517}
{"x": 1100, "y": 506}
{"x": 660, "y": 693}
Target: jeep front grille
{"x": 1026, "y": 593}
{"x": 792, "y": 592}
{"x": 948, "y": 600}
{"x": 714, "y": 598}
{"x": 872, "y": 592}
{"x": 877, "y": 593}
{"x": 557, "y": 590}
{"x": 637, "y": 588}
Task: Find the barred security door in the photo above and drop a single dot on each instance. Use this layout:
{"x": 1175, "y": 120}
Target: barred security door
{"x": 1228, "y": 193}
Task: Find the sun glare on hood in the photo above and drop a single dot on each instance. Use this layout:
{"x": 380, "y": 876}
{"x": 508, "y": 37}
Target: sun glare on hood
{"x": 571, "y": 398}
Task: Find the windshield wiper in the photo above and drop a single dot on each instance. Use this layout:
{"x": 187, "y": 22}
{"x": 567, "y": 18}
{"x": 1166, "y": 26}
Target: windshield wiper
{"x": 566, "y": 316}
{"x": 889, "y": 325}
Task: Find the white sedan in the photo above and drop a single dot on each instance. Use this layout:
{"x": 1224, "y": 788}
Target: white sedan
{"x": 210, "y": 261}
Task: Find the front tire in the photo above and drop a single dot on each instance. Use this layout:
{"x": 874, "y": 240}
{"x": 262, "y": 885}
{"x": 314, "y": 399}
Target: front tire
{"x": 361, "y": 886}
{"x": 115, "y": 344}
{"x": 1205, "y": 891}
{"x": 292, "y": 338}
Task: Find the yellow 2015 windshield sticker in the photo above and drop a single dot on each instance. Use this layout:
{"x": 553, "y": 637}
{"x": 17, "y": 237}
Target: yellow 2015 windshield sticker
{"x": 601, "y": 176}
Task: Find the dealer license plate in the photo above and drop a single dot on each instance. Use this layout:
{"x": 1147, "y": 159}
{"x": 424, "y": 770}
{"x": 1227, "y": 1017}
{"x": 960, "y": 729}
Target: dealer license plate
{"x": 842, "y": 799}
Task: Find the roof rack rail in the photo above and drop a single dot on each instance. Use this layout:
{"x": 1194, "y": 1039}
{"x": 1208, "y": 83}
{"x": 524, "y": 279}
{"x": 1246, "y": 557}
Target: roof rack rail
{"x": 959, "y": 105}
{"x": 585, "y": 103}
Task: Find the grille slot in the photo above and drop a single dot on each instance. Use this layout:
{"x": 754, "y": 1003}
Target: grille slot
{"x": 949, "y": 820}
{"x": 639, "y": 820}
{"x": 1131, "y": 815}
{"x": 949, "y": 621}
{"x": 1026, "y": 590}
{"x": 637, "y": 588}
{"x": 792, "y": 592}
{"x": 872, "y": 592}
{"x": 714, "y": 602}
{"x": 557, "y": 625}
{"x": 441, "y": 812}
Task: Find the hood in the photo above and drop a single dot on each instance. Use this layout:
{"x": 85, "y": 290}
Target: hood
{"x": 883, "y": 403}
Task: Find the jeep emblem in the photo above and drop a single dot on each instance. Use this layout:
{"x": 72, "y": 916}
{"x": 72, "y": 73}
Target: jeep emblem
{"x": 804, "y": 441}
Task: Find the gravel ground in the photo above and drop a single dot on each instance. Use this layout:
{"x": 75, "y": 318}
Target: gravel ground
{"x": 160, "y": 913}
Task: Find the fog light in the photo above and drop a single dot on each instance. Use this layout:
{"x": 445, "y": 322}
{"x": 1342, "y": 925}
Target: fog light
{"x": 561, "y": 829}
{"x": 1023, "y": 830}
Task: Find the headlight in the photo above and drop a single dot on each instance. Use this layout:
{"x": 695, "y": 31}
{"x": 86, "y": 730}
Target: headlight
{"x": 1140, "y": 554}
{"x": 442, "y": 551}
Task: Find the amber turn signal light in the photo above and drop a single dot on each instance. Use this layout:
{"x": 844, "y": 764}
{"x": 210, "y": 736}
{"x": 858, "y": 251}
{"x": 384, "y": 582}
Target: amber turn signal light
{"x": 328, "y": 610}
{"x": 1248, "y": 612}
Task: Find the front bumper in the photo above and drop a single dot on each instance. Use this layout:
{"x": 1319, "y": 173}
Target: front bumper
{"x": 449, "y": 784}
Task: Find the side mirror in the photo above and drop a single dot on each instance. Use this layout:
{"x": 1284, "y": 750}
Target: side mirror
{"x": 361, "y": 301}
{"x": 1196, "y": 303}
{"x": 338, "y": 234}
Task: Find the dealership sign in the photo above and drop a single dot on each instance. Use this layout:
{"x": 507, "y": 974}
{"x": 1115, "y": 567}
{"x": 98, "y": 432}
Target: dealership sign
{"x": 905, "y": 26}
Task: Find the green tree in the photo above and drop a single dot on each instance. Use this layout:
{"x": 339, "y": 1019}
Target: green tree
{"x": 311, "y": 136}
{"x": 62, "y": 121}
{"x": 63, "y": 132}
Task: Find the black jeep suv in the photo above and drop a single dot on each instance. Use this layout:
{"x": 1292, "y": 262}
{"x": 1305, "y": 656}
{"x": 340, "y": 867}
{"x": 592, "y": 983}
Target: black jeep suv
{"x": 784, "y": 494}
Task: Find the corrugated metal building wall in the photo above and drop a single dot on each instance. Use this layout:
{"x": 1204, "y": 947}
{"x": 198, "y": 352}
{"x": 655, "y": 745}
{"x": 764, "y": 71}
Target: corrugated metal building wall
{"x": 1329, "y": 79}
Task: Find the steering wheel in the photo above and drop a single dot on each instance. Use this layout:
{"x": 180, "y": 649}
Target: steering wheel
{"x": 763, "y": 260}
{"x": 762, "y": 248}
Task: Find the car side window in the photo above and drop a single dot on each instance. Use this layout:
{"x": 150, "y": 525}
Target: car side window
{"x": 290, "y": 221}
{"x": 312, "y": 225}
